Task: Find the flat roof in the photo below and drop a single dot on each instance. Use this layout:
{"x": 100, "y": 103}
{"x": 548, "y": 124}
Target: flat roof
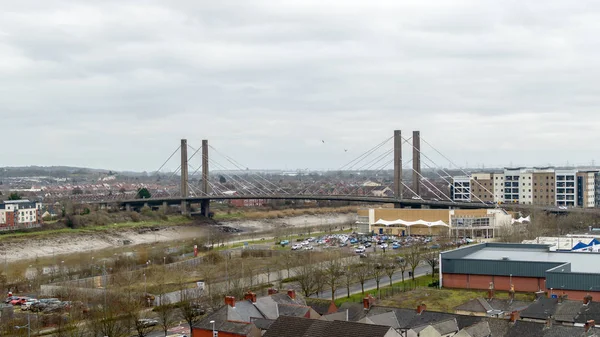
{"x": 583, "y": 262}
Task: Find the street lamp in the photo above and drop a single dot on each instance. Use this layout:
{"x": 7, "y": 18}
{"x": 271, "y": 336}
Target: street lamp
{"x": 28, "y": 326}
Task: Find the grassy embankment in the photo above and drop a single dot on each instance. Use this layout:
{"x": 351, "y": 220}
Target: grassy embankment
{"x": 174, "y": 220}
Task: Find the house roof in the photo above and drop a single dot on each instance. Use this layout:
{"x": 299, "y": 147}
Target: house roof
{"x": 222, "y": 324}
{"x": 263, "y": 323}
{"x": 541, "y": 309}
{"x": 587, "y": 312}
{"x": 444, "y": 327}
{"x": 481, "y": 329}
{"x": 321, "y": 306}
{"x": 293, "y": 310}
{"x": 388, "y": 319}
{"x": 303, "y": 327}
{"x": 567, "y": 311}
{"x": 482, "y": 305}
{"x": 356, "y": 311}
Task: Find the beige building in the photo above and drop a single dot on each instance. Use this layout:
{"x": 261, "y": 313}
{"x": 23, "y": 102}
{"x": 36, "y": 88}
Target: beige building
{"x": 482, "y": 187}
{"x": 543, "y": 187}
{"x": 438, "y": 222}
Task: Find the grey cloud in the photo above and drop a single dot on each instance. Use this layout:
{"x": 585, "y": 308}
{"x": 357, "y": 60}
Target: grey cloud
{"x": 120, "y": 82}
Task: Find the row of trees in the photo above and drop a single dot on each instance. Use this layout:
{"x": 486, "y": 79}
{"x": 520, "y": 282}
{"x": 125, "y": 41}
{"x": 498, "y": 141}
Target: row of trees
{"x": 340, "y": 272}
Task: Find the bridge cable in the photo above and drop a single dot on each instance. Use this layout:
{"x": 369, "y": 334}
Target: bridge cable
{"x": 377, "y": 171}
{"x": 166, "y": 161}
{"x": 442, "y": 169}
{"x": 366, "y": 153}
{"x": 240, "y": 166}
{"x": 224, "y": 169}
{"x": 451, "y": 162}
{"x": 244, "y": 180}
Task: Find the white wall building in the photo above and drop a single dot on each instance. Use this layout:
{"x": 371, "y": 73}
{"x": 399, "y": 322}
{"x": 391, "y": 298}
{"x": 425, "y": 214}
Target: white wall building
{"x": 461, "y": 188}
{"x": 498, "y": 181}
{"x": 16, "y": 214}
{"x": 566, "y": 188}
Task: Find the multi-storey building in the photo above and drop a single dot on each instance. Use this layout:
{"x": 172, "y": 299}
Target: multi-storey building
{"x": 482, "y": 187}
{"x": 461, "y": 188}
{"x": 586, "y": 188}
{"x": 566, "y": 188}
{"x": 498, "y": 181}
{"x": 15, "y": 214}
{"x": 512, "y": 178}
{"x": 543, "y": 186}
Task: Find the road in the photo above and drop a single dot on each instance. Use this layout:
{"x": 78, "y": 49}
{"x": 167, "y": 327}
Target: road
{"x": 371, "y": 284}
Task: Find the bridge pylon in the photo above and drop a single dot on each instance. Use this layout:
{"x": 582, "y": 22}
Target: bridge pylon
{"x": 205, "y": 204}
{"x": 416, "y": 161}
{"x": 184, "y": 176}
{"x": 398, "y": 164}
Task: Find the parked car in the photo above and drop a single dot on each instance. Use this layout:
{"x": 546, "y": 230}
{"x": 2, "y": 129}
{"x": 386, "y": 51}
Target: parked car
{"x": 27, "y": 305}
{"x": 296, "y": 246}
{"x": 284, "y": 242}
{"x": 367, "y": 244}
{"x": 147, "y": 322}
{"x": 308, "y": 247}
{"x": 359, "y": 249}
{"x": 395, "y": 246}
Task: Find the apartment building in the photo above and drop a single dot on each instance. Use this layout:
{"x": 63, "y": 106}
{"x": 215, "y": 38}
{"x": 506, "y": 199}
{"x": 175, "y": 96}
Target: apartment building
{"x": 512, "y": 180}
{"x": 460, "y": 190}
{"x": 498, "y": 181}
{"x": 15, "y": 214}
{"x": 543, "y": 186}
{"x": 586, "y": 189}
{"x": 566, "y": 188}
{"x": 482, "y": 187}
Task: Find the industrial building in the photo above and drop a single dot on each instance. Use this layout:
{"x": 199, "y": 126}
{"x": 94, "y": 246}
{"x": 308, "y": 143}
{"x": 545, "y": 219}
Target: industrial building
{"x": 523, "y": 267}
{"x": 473, "y": 223}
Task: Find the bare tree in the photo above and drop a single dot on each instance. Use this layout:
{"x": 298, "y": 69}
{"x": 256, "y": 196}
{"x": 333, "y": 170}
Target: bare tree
{"x": 190, "y": 308}
{"x": 402, "y": 265}
{"x": 413, "y": 258}
{"x": 166, "y": 318}
{"x": 432, "y": 259}
{"x": 305, "y": 274}
{"x": 348, "y": 277}
{"x": 390, "y": 267}
{"x": 362, "y": 272}
{"x": 377, "y": 270}
{"x": 320, "y": 281}
{"x": 333, "y": 270}
{"x": 288, "y": 260}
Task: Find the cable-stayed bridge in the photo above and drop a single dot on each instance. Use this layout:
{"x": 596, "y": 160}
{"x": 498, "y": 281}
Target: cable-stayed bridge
{"x": 243, "y": 183}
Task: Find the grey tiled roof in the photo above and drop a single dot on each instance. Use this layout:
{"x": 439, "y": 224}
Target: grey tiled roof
{"x": 540, "y": 309}
{"x": 319, "y": 305}
{"x": 481, "y": 329}
{"x": 356, "y": 311}
{"x": 292, "y": 310}
{"x": 303, "y": 327}
{"x": 567, "y": 311}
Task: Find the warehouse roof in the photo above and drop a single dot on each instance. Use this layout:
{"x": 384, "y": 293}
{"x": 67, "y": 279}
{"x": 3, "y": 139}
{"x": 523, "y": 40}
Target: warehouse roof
{"x": 580, "y": 261}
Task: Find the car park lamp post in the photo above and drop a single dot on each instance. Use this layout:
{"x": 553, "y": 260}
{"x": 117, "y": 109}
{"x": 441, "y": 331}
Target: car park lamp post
{"x": 28, "y": 326}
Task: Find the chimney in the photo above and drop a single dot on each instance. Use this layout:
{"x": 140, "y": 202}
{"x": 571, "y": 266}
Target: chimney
{"x": 292, "y": 293}
{"x": 587, "y": 299}
{"x": 548, "y": 322}
{"x": 230, "y": 301}
{"x": 250, "y": 296}
{"x": 589, "y": 324}
{"x": 366, "y": 304}
{"x": 490, "y": 294}
{"x": 272, "y": 291}
{"x": 421, "y": 308}
{"x": 514, "y": 316}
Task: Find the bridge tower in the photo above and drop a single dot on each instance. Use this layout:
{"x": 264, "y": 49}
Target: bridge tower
{"x": 205, "y": 204}
{"x": 398, "y": 164}
{"x": 416, "y": 159}
{"x": 184, "y": 176}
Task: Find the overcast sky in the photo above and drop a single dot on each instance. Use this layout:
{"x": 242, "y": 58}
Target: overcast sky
{"x": 117, "y": 84}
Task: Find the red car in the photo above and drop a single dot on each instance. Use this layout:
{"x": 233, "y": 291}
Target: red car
{"x": 19, "y": 301}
